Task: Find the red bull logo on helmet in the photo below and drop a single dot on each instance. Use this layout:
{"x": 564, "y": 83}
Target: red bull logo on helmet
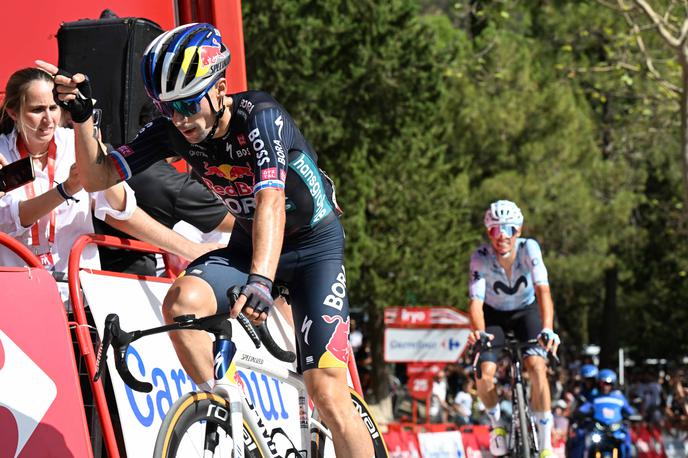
{"x": 337, "y": 348}
{"x": 211, "y": 57}
{"x": 209, "y": 54}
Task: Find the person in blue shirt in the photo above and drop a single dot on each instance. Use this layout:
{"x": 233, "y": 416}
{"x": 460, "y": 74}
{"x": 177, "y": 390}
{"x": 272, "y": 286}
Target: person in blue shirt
{"x": 609, "y": 407}
{"x": 586, "y": 392}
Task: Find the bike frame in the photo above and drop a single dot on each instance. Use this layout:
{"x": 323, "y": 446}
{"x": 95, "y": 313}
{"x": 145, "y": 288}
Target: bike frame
{"x": 248, "y": 412}
{"x": 515, "y": 354}
{"x": 514, "y": 350}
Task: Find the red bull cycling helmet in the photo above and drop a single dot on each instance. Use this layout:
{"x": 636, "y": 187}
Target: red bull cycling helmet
{"x": 504, "y": 216}
{"x": 183, "y": 64}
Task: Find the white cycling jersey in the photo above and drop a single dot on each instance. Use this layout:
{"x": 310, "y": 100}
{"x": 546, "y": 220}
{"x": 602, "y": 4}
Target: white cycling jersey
{"x": 490, "y": 284}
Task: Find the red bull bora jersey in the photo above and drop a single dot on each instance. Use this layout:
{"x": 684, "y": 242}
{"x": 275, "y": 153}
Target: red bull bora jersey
{"x": 261, "y": 149}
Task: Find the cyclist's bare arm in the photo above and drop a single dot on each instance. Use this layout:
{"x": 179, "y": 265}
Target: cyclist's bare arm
{"x": 544, "y": 298}
{"x": 268, "y": 232}
{"x": 97, "y": 171}
{"x": 475, "y": 312}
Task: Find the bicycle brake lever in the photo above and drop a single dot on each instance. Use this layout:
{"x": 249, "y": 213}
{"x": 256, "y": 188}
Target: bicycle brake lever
{"x": 120, "y": 344}
{"x": 554, "y": 359}
{"x": 104, "y": 345}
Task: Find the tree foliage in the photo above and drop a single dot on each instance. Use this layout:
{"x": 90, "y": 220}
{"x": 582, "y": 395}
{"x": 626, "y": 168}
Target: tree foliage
{"x": 424, "y": 113}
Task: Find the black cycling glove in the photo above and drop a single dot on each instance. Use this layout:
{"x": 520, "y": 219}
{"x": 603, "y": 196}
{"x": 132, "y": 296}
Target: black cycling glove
{"x": 81, "y": 108}
{"x": 258, "y": 293}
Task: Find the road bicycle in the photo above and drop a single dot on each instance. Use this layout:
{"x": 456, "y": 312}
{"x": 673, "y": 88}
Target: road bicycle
{"x": 522, "y": 435}
{"x": 224, "y": 422}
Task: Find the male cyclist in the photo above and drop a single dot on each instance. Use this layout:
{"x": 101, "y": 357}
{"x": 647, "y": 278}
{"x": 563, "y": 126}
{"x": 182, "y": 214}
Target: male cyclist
{"x": 250, "y": 153}
{"x": 610, "y": 407}
{"x": 506, "y": 276}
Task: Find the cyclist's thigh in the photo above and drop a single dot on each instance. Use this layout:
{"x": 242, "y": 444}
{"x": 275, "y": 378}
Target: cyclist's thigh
{"x": 320, "y": 304}
{"x": 527, "y": 326}
{"x": 495, "y": 321}
{"x": 222, "y": 269}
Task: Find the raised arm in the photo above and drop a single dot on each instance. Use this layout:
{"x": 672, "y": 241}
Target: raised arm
{"x": 98, "y": 172}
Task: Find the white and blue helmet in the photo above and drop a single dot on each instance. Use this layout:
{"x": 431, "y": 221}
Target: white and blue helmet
{"x": 503, "y": 213}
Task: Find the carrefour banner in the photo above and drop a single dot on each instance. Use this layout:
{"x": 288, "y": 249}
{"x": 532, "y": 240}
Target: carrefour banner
{"x": 432, "y": 345}
{"x": 447, "y": 444}
{"x": 152, "y": 359}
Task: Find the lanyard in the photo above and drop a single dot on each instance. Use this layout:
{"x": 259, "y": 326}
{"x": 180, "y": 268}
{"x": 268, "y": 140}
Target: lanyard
{"x": 31, "y": 193}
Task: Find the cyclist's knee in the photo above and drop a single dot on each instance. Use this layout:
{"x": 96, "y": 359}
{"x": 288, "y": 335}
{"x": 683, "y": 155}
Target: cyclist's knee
{"x": 488, "y": 370}
{"x": 188, "y": 295}
{"x": 536, "y": 366}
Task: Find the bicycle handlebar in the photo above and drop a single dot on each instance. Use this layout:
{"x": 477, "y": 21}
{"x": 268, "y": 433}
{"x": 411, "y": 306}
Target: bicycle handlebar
{"x": 512, "y": 345}
{"x": 217, "y": 324}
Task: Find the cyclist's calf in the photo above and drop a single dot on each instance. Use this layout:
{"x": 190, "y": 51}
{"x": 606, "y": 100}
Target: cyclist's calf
{"x": 328, "y": 389}
{"x": 485, "y": 384}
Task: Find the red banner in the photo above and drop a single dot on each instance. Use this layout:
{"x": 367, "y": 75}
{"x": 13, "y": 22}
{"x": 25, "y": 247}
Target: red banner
{"x": 41, "y": 409}
{"x": 420, "y": 378}
{"x": 424, "y": 317}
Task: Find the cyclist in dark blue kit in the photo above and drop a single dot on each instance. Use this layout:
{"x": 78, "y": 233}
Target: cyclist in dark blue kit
{"x": 246, "y": 148}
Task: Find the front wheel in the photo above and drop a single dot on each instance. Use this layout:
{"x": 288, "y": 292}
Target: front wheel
{"x": 198, "y": 425}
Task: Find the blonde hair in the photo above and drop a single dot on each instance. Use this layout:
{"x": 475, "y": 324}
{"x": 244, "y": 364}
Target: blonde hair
{"x": 15, "y": 95}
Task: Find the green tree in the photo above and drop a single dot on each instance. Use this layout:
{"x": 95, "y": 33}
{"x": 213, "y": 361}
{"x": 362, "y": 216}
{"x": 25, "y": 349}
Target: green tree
{"x": 364, "y": 80}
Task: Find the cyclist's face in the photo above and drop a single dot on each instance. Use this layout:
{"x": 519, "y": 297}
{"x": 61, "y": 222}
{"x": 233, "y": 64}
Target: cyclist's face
{"x": 503, "y": 239}
{"x": 196, "y": 127}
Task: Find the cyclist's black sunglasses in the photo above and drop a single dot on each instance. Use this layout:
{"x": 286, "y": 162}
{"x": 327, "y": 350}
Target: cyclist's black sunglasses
{"x": 183, "y": 107}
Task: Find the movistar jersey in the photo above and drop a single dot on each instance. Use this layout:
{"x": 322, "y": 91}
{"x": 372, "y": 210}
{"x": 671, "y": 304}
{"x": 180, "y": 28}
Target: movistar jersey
{"x": 261, "y": 149}
{"x": 490, "y": 284}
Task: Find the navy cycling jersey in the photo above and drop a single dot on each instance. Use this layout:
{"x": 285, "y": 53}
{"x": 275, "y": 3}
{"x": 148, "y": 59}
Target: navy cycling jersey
{"x": 261, "y": 149}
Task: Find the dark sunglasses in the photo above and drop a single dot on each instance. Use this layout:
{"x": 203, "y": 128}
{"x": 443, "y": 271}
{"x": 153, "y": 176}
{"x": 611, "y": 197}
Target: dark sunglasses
{"x": 183, "y": 107}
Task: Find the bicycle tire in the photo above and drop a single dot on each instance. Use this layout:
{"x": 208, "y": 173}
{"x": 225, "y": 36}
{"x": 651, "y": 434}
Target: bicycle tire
{"x": 523, "y": 423}
{"x": 179, "y": 432}
{"x": 318, "y": 444}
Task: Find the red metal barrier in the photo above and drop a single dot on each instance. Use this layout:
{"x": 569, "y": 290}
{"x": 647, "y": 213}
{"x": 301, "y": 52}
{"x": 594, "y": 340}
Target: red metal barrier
{"x": 57, "y": 424}
{"x": 83, "y": 336}
{"x": 20, "y": 249}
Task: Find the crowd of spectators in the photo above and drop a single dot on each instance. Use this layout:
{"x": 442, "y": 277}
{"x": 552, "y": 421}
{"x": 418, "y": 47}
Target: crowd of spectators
{"x": 658, "y": 394}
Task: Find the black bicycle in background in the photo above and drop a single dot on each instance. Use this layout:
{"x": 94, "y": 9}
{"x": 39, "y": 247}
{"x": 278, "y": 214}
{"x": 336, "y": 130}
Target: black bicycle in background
{"x": 522, "y": 435}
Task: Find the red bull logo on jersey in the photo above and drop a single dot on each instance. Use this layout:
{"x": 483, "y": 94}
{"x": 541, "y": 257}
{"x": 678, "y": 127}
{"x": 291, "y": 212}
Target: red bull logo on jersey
{"x": 337, "y": 348}
{"x": 226, "y": 171}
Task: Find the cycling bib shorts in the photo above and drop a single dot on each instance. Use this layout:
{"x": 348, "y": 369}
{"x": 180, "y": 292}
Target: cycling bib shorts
{"x": 311, "y": 266}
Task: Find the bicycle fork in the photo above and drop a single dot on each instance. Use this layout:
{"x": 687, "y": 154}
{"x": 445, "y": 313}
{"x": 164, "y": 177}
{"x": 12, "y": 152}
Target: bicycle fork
{"x": 226, "y": 386}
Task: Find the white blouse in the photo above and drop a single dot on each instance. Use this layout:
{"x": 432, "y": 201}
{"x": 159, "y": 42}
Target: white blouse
{"x": 72, "y": 219}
